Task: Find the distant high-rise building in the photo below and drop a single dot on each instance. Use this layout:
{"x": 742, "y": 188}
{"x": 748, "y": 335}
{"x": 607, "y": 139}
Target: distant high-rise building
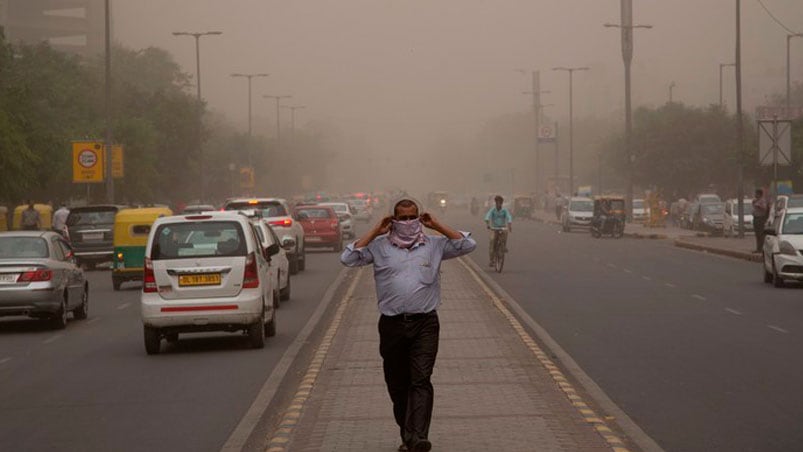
{"x": 75, "y": 26}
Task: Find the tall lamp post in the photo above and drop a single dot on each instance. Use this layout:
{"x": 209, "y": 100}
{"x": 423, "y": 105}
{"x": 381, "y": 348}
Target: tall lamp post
{"x": 249, "y": 77}
{"x": 739, "y": 122}
{"x": 278, "y": 109}
{"x": 293, "y": 118}
{"x": 571, "y": 71}
{"x": 788, "y": 78}
{"x": 197, "y": 36}
{"x": 672, "y": 86}
{"x": 536, "y": 93}
{"x": 108, "y": 107}
{"x": 627, "y": 28}
{"x": 721, "y": 66}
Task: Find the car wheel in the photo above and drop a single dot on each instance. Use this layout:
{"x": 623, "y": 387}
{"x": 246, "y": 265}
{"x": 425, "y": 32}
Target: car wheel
{"x": 256, "y": 333}
{"x": 302, "y": 262}
{"x": 270, "y": 328}
{"x": 59, "y": 319}
{"x": 82, "y": 311}
{"x": 777, "y": 281}
{"x": 294, "y": 263}
{"x": 285, "y": 293}
{"x": 153, "y": 340}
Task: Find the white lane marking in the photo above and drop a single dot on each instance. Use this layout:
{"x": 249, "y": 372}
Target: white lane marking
{"x": 93, "y": 320}
{"x": 778, "y": 329}
{"x": 52, "y": 339}
{"x": 646, "y": 278}
{"x": 699, "y": 297}
{"x": 733, "y": 311}
{"x": 611, "y": 265}
{"x": 123, "y": 306}
{"x": 627, "y": 270}
{"x": 669, "y": 284}
{"x": 5, "y": 360}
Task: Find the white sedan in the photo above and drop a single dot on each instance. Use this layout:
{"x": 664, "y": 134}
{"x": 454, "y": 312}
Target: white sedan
{"x": 782, "y": 248}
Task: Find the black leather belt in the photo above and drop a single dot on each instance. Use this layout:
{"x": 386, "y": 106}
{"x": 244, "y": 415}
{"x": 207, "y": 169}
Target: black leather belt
{"x": 406, "y": 317}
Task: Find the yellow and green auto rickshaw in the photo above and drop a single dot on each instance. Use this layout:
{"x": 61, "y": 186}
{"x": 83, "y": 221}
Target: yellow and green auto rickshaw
{"x": 131, "y": 229}
{"x": 3, "y": 218}
{"x": 45, "y": 215}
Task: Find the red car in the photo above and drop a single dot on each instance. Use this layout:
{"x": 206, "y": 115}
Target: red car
{"x": 321, "y": 227}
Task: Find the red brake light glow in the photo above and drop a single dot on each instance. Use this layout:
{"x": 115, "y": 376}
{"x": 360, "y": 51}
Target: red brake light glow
{"x": 251, "y": 273}
{"x": 148, "y": 278}
{"x": 286, "y": 222}
{"x": 41, "y": 274}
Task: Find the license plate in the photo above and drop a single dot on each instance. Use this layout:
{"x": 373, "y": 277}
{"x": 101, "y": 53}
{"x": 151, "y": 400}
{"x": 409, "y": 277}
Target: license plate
{"x": 314, "y": 239}
{"x": 205, "y": 279}
{"x": 92, "y": 236}
{"x": 8, "y": 278}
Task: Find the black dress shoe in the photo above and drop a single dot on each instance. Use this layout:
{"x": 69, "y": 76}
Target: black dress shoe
{"x": 421, "y": 446}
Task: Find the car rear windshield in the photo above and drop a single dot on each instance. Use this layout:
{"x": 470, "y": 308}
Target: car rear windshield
{"x": 305, "y": 214}
{"x": 581, "y": 206}
{"x": 638, "y": 204}
{"x": 198, "y": 239}
{"x": 713, "y": 208}
{"x": 268, "y": 208}
{"x": 91, "y": 217}
{"x": 22, "y": 247}
{"x": 793, "y": 223}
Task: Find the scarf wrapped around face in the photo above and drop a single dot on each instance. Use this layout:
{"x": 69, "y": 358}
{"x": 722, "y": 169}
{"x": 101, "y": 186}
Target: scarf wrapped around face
{"x": 407, "y": 233}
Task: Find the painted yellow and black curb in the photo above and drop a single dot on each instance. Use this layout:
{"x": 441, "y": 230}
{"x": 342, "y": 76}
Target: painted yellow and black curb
{"x": 281, "y": 436}
{"x": 576, "y": 400}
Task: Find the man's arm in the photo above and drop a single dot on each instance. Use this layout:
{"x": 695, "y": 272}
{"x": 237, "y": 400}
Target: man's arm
{"x": 357, "y": 253}
{"x": 432, "y": 223}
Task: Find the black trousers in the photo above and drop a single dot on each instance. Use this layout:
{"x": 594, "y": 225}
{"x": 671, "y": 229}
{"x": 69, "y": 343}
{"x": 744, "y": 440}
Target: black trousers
{"x": 758, "y": 229}
{"x": 408, "y": 345}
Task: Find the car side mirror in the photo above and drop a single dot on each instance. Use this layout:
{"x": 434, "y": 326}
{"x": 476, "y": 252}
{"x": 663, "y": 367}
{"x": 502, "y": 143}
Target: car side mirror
{"x": 272, "y": 250}
{"x": 288, "y": 243}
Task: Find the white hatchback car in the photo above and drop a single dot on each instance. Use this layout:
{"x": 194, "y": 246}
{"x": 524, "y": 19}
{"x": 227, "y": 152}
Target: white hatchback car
{"x": 205, "y": 272}
{"x": 275, "y": 252}
{"x": 783, "y": 243}
{"x": 277, "y": 212}
{"x": 578, "y": 213}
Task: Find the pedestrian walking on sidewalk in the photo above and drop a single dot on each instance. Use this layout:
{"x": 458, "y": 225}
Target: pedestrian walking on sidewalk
{"x": 761, "y": 211}
{"x": 407, "y": 273}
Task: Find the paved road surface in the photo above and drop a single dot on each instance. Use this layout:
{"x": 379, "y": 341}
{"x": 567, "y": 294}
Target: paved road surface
{"x": 91, "y": 387}
{"x": 695, "y": 348}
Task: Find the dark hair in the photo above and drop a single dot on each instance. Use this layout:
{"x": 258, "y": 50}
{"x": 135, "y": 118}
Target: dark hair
{"x": 498, "y": 198}
{"x": 759, "y": 192}
{"x": 406, "y": 203}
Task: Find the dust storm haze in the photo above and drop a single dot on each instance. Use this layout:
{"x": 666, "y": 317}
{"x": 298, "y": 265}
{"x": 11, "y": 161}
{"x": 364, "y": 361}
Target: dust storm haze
{"x": 410, "y": 85}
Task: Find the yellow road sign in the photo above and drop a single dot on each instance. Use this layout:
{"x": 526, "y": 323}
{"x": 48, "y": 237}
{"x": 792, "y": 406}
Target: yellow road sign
{"x": 87, "y": 162}
{"x": 246, "y": 177}
{"x": 118, "y": 168}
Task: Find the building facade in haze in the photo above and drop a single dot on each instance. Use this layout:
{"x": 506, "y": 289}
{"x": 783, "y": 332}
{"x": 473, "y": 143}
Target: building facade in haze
{"x": 75, "y": 26}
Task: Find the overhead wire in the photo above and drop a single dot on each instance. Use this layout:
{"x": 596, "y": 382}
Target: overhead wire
{"x": 788, "y": 30}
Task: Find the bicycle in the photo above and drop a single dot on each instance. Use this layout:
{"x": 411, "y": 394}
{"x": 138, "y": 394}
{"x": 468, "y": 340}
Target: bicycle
{"x": 499, "y": 250}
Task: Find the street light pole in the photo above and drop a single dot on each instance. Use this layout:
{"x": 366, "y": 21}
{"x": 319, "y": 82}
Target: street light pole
{"x": 721, "y": 66}
{"x": 627, "y": 28}
{"x": 671, "y": 87}
{"x": 278, "y": 108}
{"x": 739, "y": 122}
{"x": 571, "y": 71}
{"x": 249, "y": 77}
{"x": 107, "y": 161}
{"x": 788, "y": 78}
{"x": 199, "y": 106}
{"x": 293, "y": 118}
{"x": 536, "y": 93}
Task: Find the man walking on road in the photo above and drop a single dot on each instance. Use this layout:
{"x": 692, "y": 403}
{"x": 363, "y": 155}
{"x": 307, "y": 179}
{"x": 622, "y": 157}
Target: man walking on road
{"x": 407, "y": 274}
{"x": 760, "y": 213}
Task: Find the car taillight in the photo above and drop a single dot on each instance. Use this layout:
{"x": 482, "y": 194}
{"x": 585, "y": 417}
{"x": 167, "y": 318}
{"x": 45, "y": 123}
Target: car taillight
{"x": 148, "y": 278}
{"x": 251, "y": 273}
{"x": 284, "y": 223}
{"x": 41, "y": 274}
{"x": 334, "y": 224}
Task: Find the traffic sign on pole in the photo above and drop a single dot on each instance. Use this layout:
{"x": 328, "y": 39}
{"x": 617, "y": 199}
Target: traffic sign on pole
{"x": 87, "y": 161}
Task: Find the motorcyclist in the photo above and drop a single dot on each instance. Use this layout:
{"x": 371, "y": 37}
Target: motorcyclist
{"x": 498, "y": 217}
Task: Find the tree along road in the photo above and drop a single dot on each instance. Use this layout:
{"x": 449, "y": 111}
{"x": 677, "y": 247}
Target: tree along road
{"x": 696, "y": 349}
{"x": 91, "y": 387}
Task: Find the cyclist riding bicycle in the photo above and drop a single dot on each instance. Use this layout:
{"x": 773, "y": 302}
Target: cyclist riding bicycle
{"x": 499, "y": 221}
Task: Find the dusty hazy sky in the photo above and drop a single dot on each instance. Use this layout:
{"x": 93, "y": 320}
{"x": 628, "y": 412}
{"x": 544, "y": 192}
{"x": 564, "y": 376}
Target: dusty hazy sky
{"x": 407, "y": 69}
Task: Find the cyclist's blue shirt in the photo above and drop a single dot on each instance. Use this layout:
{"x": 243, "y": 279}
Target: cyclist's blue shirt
{"x": 499, "y": 218}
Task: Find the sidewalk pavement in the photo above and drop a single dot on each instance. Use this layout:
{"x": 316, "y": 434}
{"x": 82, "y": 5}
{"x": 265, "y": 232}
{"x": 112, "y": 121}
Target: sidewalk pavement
{"x": 684, "y": 238}
{"x": 495, "y": 388}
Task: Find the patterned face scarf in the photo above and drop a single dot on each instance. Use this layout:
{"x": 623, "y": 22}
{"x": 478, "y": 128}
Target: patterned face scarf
{"x": 407, "y": 233}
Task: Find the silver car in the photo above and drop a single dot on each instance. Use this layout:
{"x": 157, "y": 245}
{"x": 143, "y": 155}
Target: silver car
{"x": 39, "y": 278}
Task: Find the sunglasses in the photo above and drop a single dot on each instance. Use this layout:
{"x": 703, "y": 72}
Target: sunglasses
{"x": 406, "y": 217}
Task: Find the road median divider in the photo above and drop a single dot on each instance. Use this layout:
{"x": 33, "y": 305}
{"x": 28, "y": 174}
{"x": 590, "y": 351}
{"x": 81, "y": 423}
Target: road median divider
{"x": 722, "y": 251}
